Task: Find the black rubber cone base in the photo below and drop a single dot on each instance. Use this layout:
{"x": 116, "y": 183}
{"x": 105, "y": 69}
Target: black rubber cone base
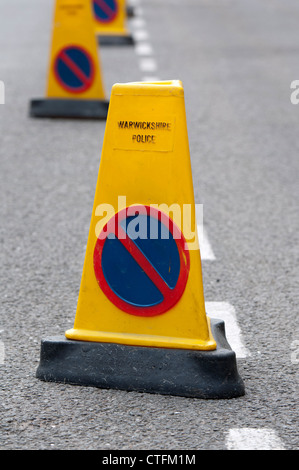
{"x": 117, "y": 40}
{"x": 181, "y": 372}
{"x": 130, "y": 10}
{"x": 69, "y": 108}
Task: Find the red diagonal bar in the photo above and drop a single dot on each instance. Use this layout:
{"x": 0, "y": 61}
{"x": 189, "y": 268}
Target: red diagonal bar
{"x": 106, "y": 9}
{"x": 74, "y": 68}
{"x": 143, "y": 262}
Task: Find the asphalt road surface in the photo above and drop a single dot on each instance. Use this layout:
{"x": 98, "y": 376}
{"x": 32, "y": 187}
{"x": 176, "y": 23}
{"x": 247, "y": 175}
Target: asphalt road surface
{"x": 237, "y": 60}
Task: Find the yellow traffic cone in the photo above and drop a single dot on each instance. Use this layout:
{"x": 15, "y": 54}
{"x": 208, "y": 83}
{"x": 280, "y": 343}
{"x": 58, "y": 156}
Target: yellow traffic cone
{"x": 141, "y": 322}
{"x": 75, "y": 87}
{"x": 110, "y": 20}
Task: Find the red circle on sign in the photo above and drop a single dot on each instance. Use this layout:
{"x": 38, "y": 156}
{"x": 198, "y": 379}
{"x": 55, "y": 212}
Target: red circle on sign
{"x": 170, "y": 295}
{"x": 81, "y": 69}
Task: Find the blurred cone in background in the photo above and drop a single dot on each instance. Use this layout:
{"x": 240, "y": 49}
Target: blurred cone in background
{"x": 110, "y": 22}
{"x": 75, "y": 88}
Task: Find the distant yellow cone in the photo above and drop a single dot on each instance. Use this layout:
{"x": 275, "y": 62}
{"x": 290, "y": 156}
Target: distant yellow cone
{"x": 110, "y": 20}
{"x": 74, "y": 85}
{"x": 144, "y": 292}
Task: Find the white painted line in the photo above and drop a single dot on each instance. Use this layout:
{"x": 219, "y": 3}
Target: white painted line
{"x": 133, "y": 3}
{"x": 294, "y": 346}
{"x": 138, "y": 11}
{"x": 226, "y": 312}
{"x": 147, "y": 64}
{"x": 2, "y": 351}
{"x": 205, "y": 247}
{"x": 143, "y": 48}
{"x": 137, "y": 22}
{"x": 253, "y": 439}
{"x": 206, "y": 251}
{"x": 2, "y": 92}
{"x": 140, "y": 35}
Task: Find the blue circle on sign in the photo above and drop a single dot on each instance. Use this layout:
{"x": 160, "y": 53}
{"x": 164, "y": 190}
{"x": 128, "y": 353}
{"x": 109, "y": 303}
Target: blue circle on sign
{"x": 105, "y": 10}
{"x": 140, "y": 265}
{"x": 74, "y": 69}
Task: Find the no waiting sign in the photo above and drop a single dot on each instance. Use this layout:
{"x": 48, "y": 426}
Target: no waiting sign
{"x": 105, "y": 11}
{"x": 74, "y": 69}
{"x": 144, "y": 275}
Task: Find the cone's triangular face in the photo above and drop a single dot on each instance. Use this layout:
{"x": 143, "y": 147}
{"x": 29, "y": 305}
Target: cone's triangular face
{"x": 142, "y": 280}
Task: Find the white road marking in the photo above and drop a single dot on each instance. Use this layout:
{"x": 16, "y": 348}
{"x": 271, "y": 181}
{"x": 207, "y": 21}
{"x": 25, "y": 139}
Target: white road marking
{"x": 2, "y": 92}
{"x": 226, "y": 312}
{"x": 143, "y": 48}
{"x": 137, "y": 22}
{"x": 253, "y": 439}
{"x": 2, "y": 351}
{"x": 147, "y": 64}
{"x": 205, "y": 247}
{"x": 140, "y": 35}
